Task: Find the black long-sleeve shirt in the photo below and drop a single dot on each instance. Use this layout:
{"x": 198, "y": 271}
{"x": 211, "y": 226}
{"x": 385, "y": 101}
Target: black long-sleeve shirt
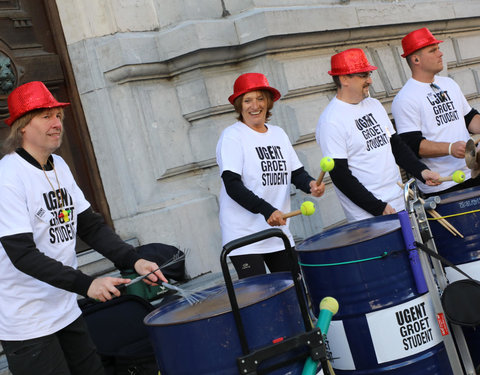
{"x": 91, "y": 228}
{"x": 252, "y": 202}
{"x": 349, "y": 185}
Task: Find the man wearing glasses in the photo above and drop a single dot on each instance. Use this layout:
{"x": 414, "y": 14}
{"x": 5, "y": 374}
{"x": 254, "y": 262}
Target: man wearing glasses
{"x": 431, "y": 113}
{"x": 355, "y": 130}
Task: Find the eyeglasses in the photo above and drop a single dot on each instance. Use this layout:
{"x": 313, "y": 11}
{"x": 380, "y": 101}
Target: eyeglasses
{"x": 363, "y": 75}
{"x": 437, "y": 90}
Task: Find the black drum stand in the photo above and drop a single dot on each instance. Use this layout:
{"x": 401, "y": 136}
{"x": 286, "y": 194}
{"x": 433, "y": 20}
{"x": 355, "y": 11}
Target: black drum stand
{"x": 312, "y": 338}
{"x": 436, "y": 281}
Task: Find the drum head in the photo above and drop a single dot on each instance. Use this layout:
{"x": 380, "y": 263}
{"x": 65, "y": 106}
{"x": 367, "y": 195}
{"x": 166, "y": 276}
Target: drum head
{"x": 249, "y": 291}
{"x": 352, "y": 233}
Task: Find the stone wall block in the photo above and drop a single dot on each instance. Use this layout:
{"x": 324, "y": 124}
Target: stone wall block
{"x": 466, "y": 8}
{"x": 449, "y": 52}
{"x": 261, "y": 23}
{"x": 469, "y": 47}
{"x": 134, "y": 49}
{"x": 89, "y": 76}
{"x": 109, "y": 155}
{"x": 379, "y": 13}
{"x": 192, "y": 95}
{"x": 79, "y": 24}
{"x": 166, "y": 130}
{"x": 388, "y": 69}
{"x": 466, "y": 80}
{"x": 192, "y": 36}
{"x": 305, "y": 72}
{"x": 305, "y": 112}
{"x": 219, "y": 86}
{"x": 178, "y": 11}
{"x": 203, "y": 137}
{"x": 135, "y": 15}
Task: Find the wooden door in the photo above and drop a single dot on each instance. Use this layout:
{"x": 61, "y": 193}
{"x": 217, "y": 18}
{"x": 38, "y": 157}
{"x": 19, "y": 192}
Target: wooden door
{"x": 33, "y": 48}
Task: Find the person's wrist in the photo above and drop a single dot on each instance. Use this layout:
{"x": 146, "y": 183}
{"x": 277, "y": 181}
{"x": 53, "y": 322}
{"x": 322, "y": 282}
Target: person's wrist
{"x": 450, "y": 149}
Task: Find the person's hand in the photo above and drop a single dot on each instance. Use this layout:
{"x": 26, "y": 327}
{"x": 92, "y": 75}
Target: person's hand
{"x": 458, "y": 149}
{"x": 143, "y": 266}
{"x": 104, "y": 288}
{"x": 276, "y": 219}
{"x": 388, "y": 210}
{"x": 431, "y": 177}
{"x": 317, "y": 190}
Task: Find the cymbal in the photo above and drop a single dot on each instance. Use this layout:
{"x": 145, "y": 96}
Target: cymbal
{"x": 476, "y": 171}
{"x": 471, "y": 155}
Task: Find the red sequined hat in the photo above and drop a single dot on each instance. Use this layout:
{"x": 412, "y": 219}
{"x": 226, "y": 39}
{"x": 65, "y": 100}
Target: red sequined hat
{"x": 251, "y": 82}
{"x": 350, "y": 61}
{"x": 27, "y": 97}
{"x": 418, "y": 39}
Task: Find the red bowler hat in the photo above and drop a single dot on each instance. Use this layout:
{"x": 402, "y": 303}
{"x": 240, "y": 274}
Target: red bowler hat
{"x": 418, "y": 39}
{"x": 252, "y": 82}
{"x": 27, "y": 97}
{"x": 350, "y": 61}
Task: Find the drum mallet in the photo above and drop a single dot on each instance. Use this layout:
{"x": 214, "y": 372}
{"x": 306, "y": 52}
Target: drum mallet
{"x": 457, "y": 176}
{"x": 326, "y": 164}
{"x": 328, "y": 308}
{"x": 307, "y": 208}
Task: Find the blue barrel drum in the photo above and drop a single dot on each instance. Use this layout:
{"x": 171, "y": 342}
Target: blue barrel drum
{"x": 463, "y": 252}
{"x": 464, "y": 205}
{"x": 203, "y": 338}
{"x": 383, "y": 324}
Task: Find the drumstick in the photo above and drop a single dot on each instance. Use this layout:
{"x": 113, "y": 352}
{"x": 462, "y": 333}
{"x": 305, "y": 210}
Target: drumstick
{"x": 432, "y": 212}
{"x": 326, "y": 164}
{"x": 457, "y": 176}
{"x": 443, "y": 222}
{"x": 307, "y": 208}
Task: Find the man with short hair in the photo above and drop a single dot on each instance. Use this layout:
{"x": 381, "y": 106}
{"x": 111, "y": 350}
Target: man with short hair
{"x": 41, "y": 211}
{"x": 431, "y": 113}
{"x": 355, "y": 130}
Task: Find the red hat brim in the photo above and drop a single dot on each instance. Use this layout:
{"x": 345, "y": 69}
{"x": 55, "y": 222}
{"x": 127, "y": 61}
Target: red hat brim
{"x": 9, "y": 121}
{"x": 418, "y": 39}
{"x": 368, "y": 68}
{"x": 29, "y": 97}
{"x": 275, "y": 93}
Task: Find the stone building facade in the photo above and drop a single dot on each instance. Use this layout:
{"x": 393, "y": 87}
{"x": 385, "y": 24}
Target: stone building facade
{"x": 154, "y": 77}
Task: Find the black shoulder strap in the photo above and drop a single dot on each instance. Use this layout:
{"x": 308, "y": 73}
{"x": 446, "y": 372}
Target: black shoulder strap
{"x": 432, "y": 253}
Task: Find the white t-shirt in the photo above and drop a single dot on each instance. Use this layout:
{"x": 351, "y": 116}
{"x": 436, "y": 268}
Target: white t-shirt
{"x": 31, "y": 308}
{"x": 418, "y": 107}
{"x": 265, "y": 161}
{"x": 361, "y": 134}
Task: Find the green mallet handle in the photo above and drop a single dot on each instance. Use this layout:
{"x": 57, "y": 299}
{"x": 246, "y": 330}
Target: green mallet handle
{"x": 328, "y": 308}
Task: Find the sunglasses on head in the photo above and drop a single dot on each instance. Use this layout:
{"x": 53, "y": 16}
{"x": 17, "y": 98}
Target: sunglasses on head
{"x": 437, "y": 90}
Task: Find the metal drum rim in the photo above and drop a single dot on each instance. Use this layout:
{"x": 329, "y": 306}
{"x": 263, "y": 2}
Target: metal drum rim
{"x": 220, "y": 313}
{"x": 460, "y": 195}
{"x": 381, "y": 220}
